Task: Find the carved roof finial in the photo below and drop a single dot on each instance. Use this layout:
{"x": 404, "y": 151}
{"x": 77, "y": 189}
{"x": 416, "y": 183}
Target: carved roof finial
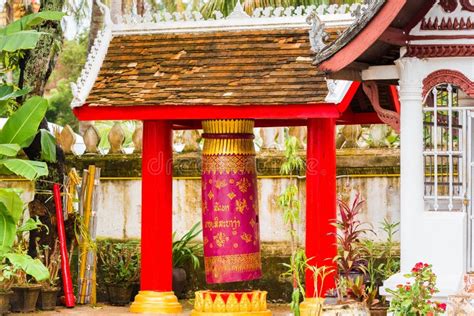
{"x": 238, "y": 12}
{"x": 317, "y": 35}
{"x": 106, "y": 12}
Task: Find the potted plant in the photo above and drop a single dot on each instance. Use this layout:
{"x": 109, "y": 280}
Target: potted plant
{"x": 120, "y": 267}
{"x": 414, "y": 298}
{"x": 49, "y": 288}
{"x": 26, "y": 271}
{"x": 350, "y": 231}
{"x": 184, "y": 253}
{"x": 313, "y": 306}
{"x": 6, "y": 281}
{"x": 382, "y": 262}
{"x": 359, "y": 291}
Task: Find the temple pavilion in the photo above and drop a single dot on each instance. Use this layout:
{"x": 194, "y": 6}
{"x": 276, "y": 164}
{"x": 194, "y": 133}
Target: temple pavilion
{"x": 179, "y": 71}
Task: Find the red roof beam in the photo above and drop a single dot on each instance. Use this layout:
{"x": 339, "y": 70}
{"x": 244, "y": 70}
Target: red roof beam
{"x": 202, "y": 112}
{"x": 394, "y": 36}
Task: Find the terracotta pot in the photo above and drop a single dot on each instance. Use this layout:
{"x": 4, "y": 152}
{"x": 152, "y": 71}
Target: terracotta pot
{"x": 135, "y": 289}
{"x": 5, "y": 302}
{"x": 119, "y": 295}
{"x": 24, "y": 298}
{"x": 47, "y": 299}
{"x": 179, "y": 282}
{"x": 378, "y": 311}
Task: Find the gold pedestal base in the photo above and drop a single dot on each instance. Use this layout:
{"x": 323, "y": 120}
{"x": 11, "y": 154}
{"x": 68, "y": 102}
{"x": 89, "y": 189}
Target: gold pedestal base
{"x": 217, "y": 303}
{"x": 156, "y": 302}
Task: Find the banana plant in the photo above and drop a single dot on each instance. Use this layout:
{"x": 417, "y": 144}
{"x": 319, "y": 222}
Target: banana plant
{"x": 20, "y": 35}
{"x": 18, "y": 132}
{"x": 11, "y": 211}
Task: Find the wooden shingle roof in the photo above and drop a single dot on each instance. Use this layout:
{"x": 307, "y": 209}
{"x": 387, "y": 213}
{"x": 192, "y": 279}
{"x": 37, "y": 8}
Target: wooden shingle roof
{"x": 240, "y": 67}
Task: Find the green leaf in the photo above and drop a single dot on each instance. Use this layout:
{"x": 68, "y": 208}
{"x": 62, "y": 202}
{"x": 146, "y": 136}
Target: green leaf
{"x": 28, "y": 169}
{"x": 8, "y": 92}
{"x": 7, "y": 229}
{"x": 31, "y": 224}
{"x": 9, "y": 150}
{"x": 48, "y": 146}
{"x": 33, "y": 267}
{"x": 11, "y": 199}
{"x": 22, "y": 125}
{"x": 31, "y": 20}
{"x": 19, "y": 41}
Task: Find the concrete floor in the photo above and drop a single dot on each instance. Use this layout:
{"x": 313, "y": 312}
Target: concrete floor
{"x": 102, "y": 309}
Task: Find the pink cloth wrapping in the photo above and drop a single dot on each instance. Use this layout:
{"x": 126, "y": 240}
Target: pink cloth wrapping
{"x": 230, "y": 218}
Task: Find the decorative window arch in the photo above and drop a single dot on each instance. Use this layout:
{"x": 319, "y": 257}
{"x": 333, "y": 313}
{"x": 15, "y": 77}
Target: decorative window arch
{"x": 446, "y": 76}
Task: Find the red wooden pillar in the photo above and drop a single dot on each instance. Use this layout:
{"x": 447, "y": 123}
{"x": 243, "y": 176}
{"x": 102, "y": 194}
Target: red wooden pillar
{"x": 156, "y": 294}
{"x": 320, "y": 198}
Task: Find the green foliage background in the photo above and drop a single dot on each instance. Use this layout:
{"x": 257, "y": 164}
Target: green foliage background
{"x": 69, "y": 66}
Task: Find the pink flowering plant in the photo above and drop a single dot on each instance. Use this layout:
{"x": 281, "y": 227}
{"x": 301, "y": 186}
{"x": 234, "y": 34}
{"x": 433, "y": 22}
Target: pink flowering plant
{"x": 415, "y": 297}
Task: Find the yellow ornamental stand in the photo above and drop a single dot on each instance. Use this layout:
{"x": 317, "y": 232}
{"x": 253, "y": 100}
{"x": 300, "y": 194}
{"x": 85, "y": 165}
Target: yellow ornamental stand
{"x": 216, "y": 303}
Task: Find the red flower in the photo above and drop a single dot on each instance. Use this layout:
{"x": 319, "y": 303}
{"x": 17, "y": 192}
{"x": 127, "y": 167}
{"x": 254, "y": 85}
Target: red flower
{"x": 417, "y": 267}
{"x": 407, "y": 288}
{"x": 441, "y": 306}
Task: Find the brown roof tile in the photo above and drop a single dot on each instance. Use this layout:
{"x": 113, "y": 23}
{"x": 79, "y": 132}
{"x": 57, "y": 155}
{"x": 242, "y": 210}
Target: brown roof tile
{"x": 219, "y": 68}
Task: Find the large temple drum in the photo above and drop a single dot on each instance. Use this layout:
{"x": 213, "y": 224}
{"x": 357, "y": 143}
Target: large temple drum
{"x": 229, "y": 202}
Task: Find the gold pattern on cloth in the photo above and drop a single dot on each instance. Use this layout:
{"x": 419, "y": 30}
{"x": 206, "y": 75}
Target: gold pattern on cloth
{"x": 243, "y": 185}
{"x": 228, "y": 146}
{"x": 246, "y": 237}
{"x": 241, "y": 205}
{"x": 232, "y": 263}
{"x": 229, "y": 164}
{"x": 221, "y": 184}
{"x": 220, "y": 239}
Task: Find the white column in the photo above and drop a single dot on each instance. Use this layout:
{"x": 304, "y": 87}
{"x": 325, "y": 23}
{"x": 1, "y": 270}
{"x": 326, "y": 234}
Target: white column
{"x": 411, "y": 157}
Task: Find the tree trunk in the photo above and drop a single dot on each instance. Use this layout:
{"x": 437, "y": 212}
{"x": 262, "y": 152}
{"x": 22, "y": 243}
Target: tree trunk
{"x": 35, "y": 69}
{"x": 140, "y": 7}
{"x": 97, "y": 20}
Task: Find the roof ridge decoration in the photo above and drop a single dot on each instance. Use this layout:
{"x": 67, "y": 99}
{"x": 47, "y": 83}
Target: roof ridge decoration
{"x": 335, "y": 10}
{"x": 164, "y": 22}
{"x": 238, "y": 12}
{"x": 447, "y": 17}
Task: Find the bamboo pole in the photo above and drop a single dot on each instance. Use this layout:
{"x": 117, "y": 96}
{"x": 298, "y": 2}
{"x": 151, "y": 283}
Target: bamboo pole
{"x": 93, "y": 233}
{"x": 73, "y": 181}
{"x": 82, "y": 197}
{"x": 87, "y": 215}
